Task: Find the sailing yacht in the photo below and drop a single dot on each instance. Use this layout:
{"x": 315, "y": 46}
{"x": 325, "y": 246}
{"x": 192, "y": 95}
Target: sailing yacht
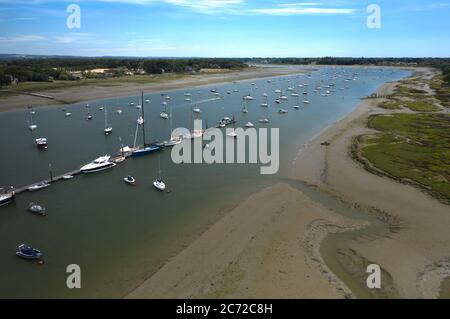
{"x": 32, "y": 126}
{"x": 146, "y": 148}
{"x": 164, "y": 114}
{"x": 196, "y": 110}
{"x": 244, "y": 108}
{"x": 108, "y": 127}
{"x": 89, "y": 116}
{"x": 158, "y": 182}
{"x": 173, "y": 140}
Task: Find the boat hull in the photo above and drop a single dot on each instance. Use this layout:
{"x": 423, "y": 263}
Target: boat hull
{"x": 146, "y": 151}
{"x": 97, "y": 169}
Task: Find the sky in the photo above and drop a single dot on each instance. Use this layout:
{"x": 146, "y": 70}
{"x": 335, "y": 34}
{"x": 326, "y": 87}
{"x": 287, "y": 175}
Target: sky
{"x": 226, "y": 28}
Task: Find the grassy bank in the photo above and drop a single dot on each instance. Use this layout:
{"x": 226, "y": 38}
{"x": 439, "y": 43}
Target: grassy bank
{"x": 412, "y": 147}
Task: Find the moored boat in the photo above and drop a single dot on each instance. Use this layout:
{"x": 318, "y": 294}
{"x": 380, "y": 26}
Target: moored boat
{"x": 37, "y": 209}
{"x": 130, "y": 180}
{"x": 98, "y": 165}
{"x": 41, "y": 143}
{"x": 38, "y": 186}
{"x": 6, "y": 197}
{"x": 28, "y": 252}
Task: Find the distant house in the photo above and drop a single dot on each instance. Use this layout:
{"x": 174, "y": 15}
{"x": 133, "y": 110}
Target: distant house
{"x": 77, "y": 75}
{"x": 139, "y": 71}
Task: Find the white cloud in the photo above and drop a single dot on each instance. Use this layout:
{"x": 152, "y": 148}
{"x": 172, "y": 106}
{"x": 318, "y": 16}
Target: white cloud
{"x": 22, "y": 38}
{"x": 302, "y": 11}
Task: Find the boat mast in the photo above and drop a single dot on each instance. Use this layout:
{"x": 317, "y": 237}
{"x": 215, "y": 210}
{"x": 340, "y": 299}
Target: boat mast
{"x": 143, "y": 117}
{"x": 106, "y": 118}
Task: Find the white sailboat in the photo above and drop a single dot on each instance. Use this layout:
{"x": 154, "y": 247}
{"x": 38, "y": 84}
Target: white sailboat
{"x": 32, "y": 126}
{"x": 164, "y": 114}
{"x": 158, "y": 182}
{"x": 108, "y": 127}
{"x": 173, "y": 140}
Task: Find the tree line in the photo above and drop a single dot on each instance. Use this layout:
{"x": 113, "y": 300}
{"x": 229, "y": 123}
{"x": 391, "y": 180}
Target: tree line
{"x": 59, "y": 68}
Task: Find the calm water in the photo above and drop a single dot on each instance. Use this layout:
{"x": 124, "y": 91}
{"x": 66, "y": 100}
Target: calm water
{"x": 120, "y": 235}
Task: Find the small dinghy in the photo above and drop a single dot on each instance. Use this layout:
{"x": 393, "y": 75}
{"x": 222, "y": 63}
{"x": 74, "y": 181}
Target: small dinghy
{"x": 28, "y": 252}
{"x": 130, "y": 180}
{"x": 37, "y": 209}
{"x": 38, "y": 186}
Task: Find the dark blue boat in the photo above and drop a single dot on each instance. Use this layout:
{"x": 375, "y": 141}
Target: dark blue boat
{"x": 146, "y": 150}
{"x": 28, "y": 252}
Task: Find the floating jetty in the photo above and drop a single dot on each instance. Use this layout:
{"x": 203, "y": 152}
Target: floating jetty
{"x": 53, "y": 179}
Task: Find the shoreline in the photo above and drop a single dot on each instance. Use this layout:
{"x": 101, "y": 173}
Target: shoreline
{"x": 276, "y": 254}
{"x": 92, "y": 92}
{"x": 240, "y": 244}
{"x": 415, "y": 255}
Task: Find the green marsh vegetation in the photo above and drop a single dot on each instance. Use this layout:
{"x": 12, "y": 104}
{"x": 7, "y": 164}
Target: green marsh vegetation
{"x": 412, "y": 147}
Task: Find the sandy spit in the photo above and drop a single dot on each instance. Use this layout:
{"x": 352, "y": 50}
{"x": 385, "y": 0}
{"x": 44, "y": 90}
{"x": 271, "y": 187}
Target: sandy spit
{"x": 267, "y": 247}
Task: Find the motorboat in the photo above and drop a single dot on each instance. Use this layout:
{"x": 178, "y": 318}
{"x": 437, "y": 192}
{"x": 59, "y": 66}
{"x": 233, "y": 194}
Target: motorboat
{"x": 172, "y": 142}
{"x": 265, "y": 121}
{"x": 68, "y": 114}
{"x": 147, "y": 101}
{"x": 282, "y": 111}
{"x": 7, "y": 197}
{"x": 232, "y": 134}
{"x": 196, "y": 110}
{"x": 248, "y": 97}
{"x": 296, "y": 107}
{"x": 67, "y": 177}
{"x": 28, "y": 252}
{"x": 98, "y": 165}
{"x": 306, "y": 101}
{"x": 38, "y": 186}
{"x": 119, "y": 112}
{"x": 41, "y": 143}
{"x": 130, "y": 180}
{"x": 225, "y": 121}
{"x": 244, "y": 110}
{"x": 249, "y": 124}
{"x": 37, "y": 209}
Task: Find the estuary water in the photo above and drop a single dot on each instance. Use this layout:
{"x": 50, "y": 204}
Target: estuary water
{"x": 119, "y": 235}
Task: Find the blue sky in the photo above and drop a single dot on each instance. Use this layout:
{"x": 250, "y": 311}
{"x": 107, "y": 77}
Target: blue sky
{"x": 226, "y": 28}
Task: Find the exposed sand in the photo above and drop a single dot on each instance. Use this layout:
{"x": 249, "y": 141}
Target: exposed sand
{"x": 267, "y": 247}
{"x": 418, "y": 256}
{"x": 94, "y": 92}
